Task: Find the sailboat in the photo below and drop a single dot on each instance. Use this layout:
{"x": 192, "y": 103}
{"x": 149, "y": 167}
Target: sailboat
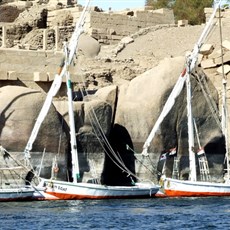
{"x": 191, "y": 186}
{"x": 57, "y": 189}
{"x": 11, "y": 188}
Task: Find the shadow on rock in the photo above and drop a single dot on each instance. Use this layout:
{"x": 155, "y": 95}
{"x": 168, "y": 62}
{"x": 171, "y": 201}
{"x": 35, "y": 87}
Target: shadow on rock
{"x": 112, "y": 173}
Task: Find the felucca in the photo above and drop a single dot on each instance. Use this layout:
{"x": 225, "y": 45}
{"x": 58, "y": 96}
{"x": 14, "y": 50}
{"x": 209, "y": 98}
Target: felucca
{"x": 191, "y": 186}
{"x": 14, "y": 185}
{"x": 75, "y": 189}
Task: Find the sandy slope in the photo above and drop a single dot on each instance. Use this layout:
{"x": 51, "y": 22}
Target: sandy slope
{"x": 148, "y": 49}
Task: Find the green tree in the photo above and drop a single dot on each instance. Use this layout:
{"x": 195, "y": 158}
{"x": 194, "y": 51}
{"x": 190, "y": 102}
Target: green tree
{"x": 191, "y": 10}
{"x": 157, "y": 4}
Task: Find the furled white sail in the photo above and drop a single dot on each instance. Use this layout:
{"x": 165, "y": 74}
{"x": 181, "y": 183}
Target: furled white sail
{"x": 72, "y": 48}
{"x": 168, "y": 106}
{"x": 79, "y": 28}
{"x": 52, "y": 92}
{"x": 69, "y": 54}
{"x": 190, "y": 65}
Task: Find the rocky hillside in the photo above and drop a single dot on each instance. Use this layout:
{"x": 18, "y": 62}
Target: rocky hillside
{"x": 123, "y": 61}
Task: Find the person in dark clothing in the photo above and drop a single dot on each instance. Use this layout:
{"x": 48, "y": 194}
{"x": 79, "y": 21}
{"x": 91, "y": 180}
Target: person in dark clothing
{"x": 29, "y": 177}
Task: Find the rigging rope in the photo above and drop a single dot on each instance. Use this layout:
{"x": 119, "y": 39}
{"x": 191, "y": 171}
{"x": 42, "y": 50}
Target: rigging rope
{"x": 207, "y": 94}
{"x": 141, "y": 162}
{"x": 100, "y": 135}
{"x": 18, "y": 163}
{"x": 12, "y": 170}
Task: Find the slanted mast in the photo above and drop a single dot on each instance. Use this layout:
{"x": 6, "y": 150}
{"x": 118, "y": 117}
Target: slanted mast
{"x": 192, "y": 158}
{"x": 191, "y": 61}
{"x": 70, "y": 51}
{"x": 224, "y": 117}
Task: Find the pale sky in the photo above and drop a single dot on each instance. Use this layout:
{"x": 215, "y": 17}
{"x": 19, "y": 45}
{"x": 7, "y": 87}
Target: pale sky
{"x": 115, "y": 4}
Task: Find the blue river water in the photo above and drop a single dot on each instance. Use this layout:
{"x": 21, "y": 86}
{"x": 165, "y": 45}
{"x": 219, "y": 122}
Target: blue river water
{"x": 156, "y": 213}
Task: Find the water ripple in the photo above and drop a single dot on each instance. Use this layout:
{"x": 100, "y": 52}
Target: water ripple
{"x": 163, "y": 214}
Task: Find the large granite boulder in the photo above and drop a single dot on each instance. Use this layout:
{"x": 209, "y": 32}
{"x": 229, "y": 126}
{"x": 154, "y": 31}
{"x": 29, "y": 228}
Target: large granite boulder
{"x": 141, "y": 101}
{"x": 93, "y": 116}
{"x": 19, "y": 108}
{"x": 126, "y": 117}
{"x": 207, "y": 128}
{"x": 89, "y": 46}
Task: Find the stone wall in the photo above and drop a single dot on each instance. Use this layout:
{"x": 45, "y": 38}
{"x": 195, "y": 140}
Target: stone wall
{"x": 111, "y": 27}
{"x": 106, "y": 27}
{"x": 61, "y": 16}
{"x": 33, "y": 69}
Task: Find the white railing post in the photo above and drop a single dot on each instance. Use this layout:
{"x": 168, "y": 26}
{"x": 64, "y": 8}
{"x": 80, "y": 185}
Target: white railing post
{"x": 56, "y": 37}
{"x": 3, "y": 36}
{"x": 45, "y": 39}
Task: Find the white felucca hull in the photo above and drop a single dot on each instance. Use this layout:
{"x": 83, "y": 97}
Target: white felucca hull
{"x": 16, "y": 194}
{"x": 76, "y": 191}
{"x": 185, "y": 188}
